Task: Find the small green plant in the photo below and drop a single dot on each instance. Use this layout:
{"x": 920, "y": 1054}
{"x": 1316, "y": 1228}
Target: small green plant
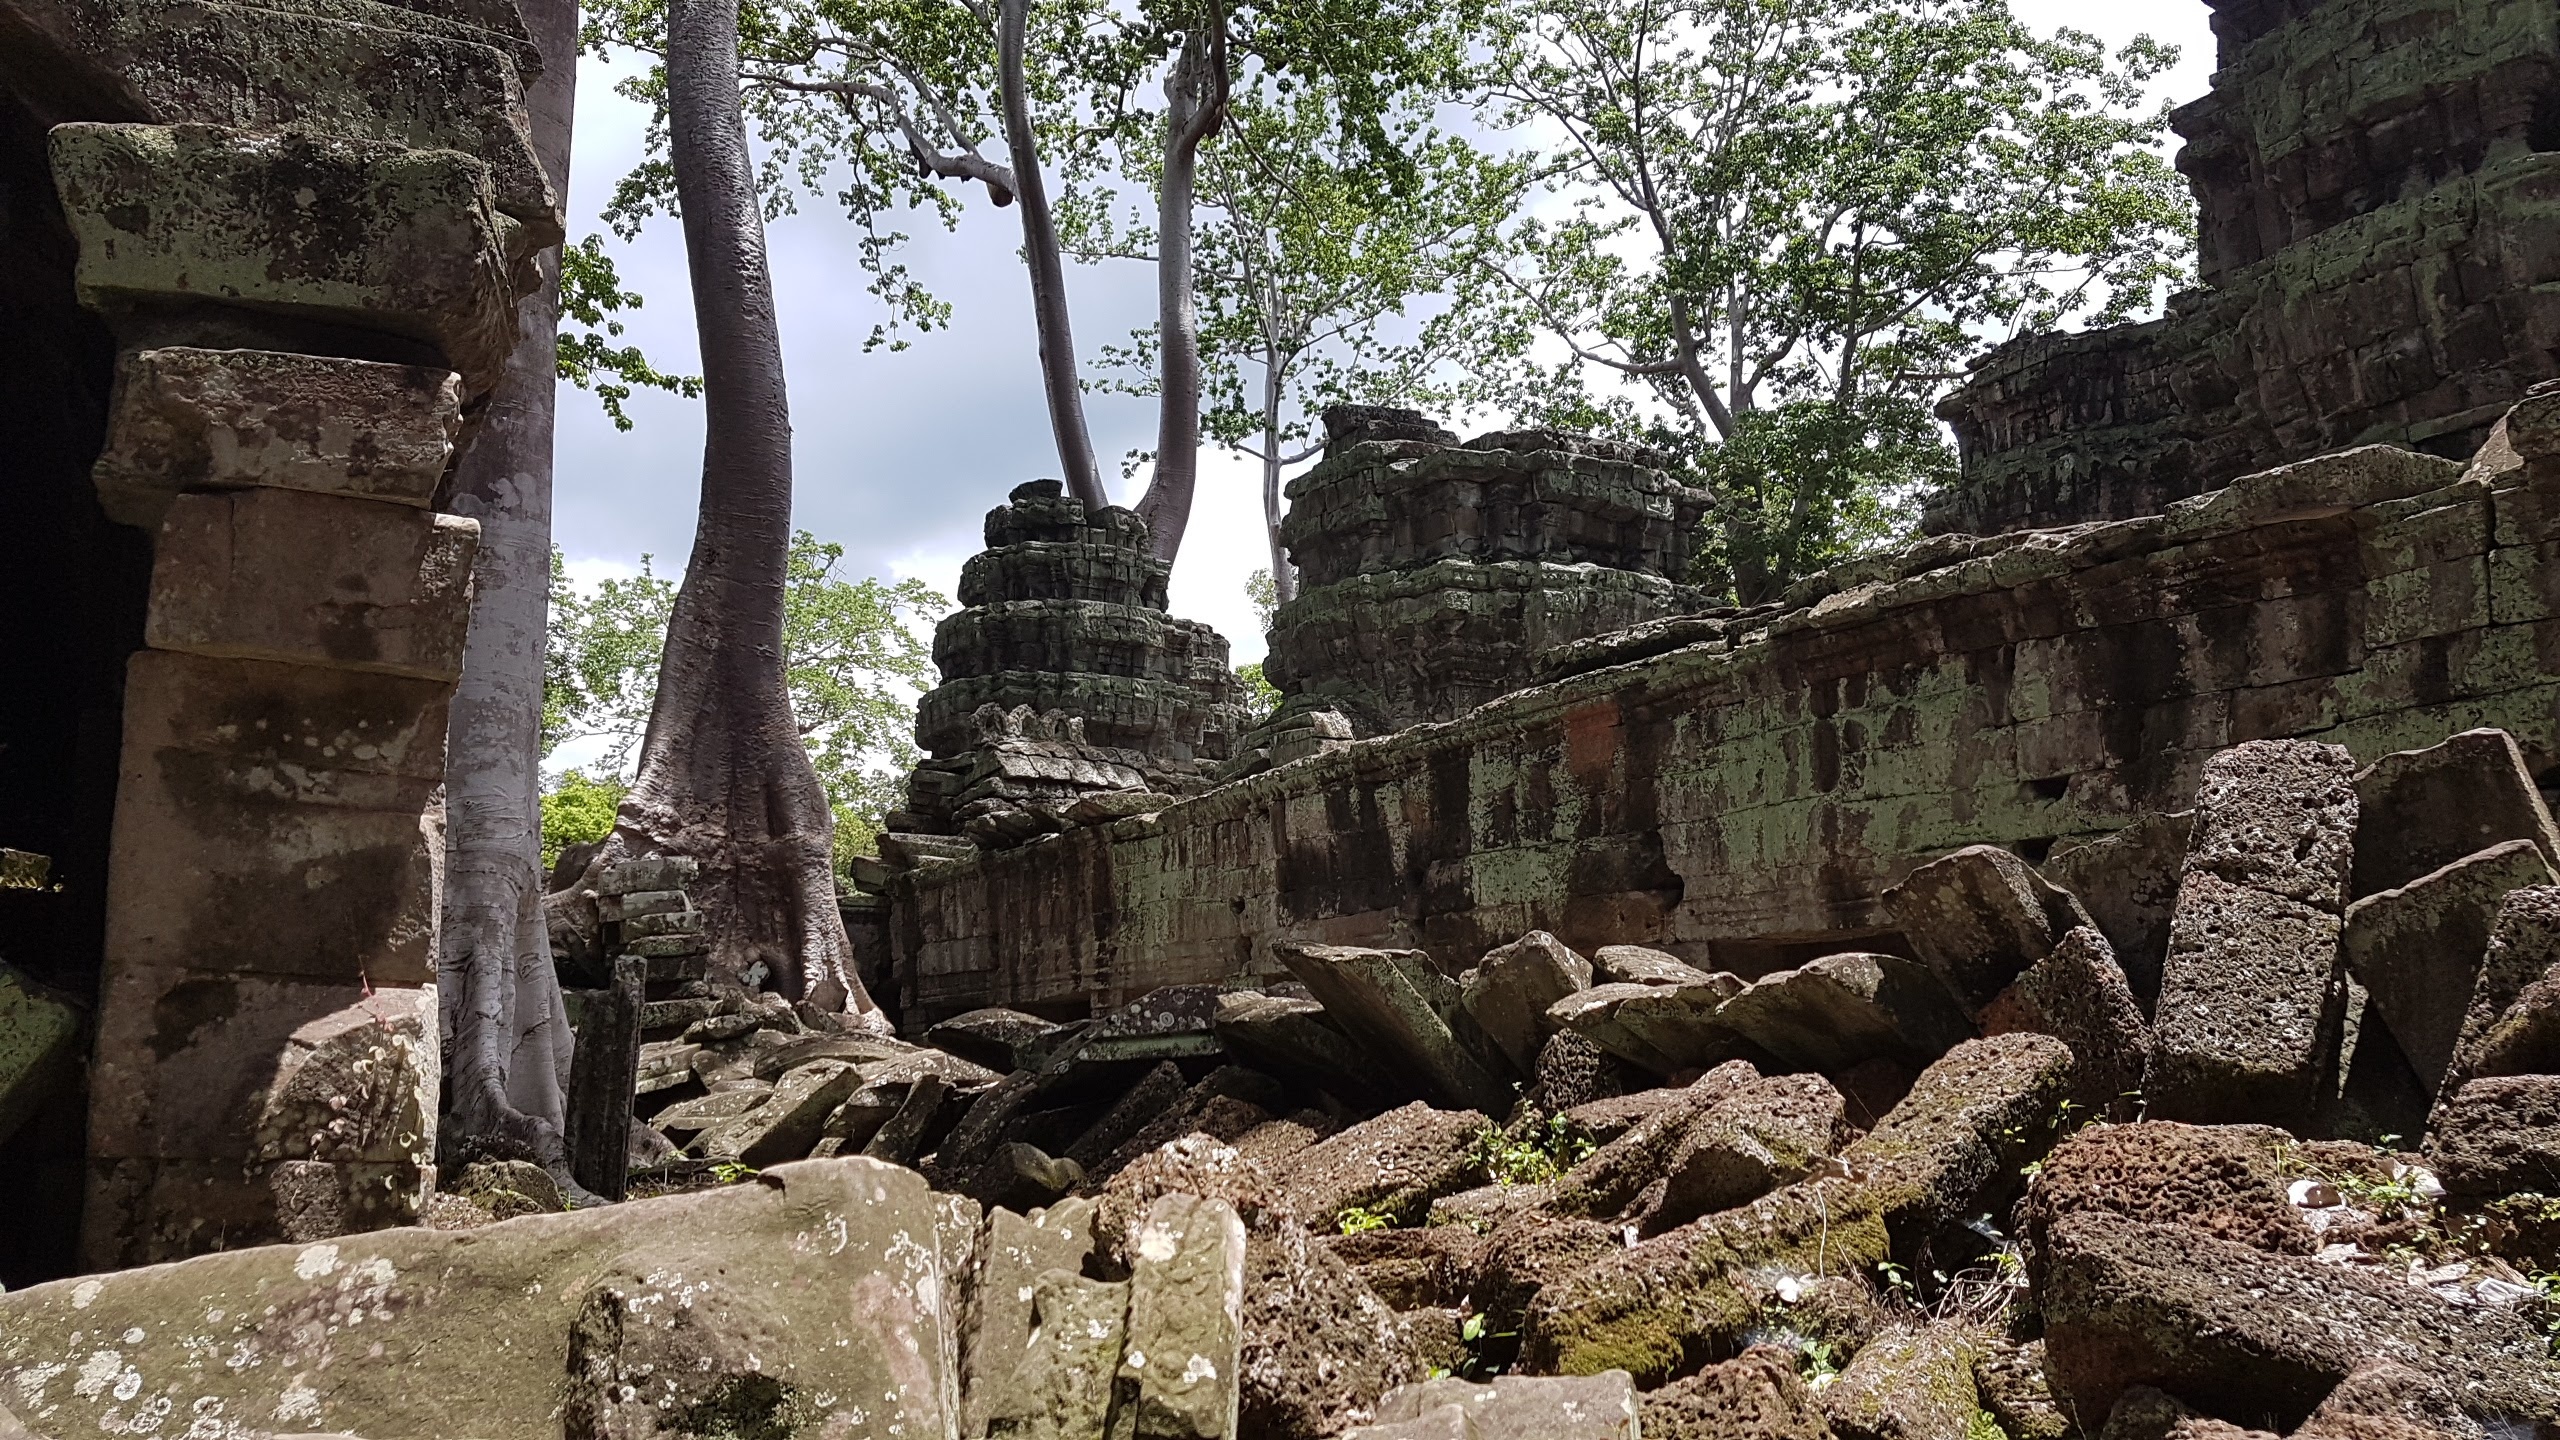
{"x": 1535, "y": 1158}
{"x": 1360, "y": 1220}
{"x": 1983, "y": 1427}
{"x": 1818, "y": 1362}
{"x": 1897, "y": 1280}
{"x": 729, "y": 1172}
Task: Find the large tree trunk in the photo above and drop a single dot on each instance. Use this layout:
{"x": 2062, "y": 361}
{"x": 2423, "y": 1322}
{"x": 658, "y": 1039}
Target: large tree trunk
{"x": 506, "y": 1035}
{"x": 1284, "y": 576}
{"x": 1047, "y": 263}
{"x": 1195, "y": 93}
{"x": 723, "y": 777}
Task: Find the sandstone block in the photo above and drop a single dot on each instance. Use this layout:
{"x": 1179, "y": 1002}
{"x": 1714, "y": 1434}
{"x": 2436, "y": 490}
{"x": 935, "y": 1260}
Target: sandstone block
{"x": 2421, "y": 810}
{"x": 907, "y": 1130}
{"x": 1511, "y": 989}
{"x": 1769, "y": 1133}
{"x": 365, "y": 234}
{"x": 1979, "y": 917}
{"x": 2419, "y": 948}
{"x": 1606, "y": 1181}
{"x": 193, "y": 419}
{"x": 2242, "y": 1331}
{"x": 2225, "y": 1181}
{"x": 2128, "y": 882}
{"x": 1320, "y": 1348}
{"x": 234, "y": 578}
{"x": 1395, "y": 1001}
{"x": 829, "y": 1271}
{"x": 1170, "y": 1022}
{"x": 2387, "y": 1390}
{"x": 1834, "y": 1012}
{"x": 2250, "y": 1005}
{"x": 2510, "y": 994}
{"x": 1297, "y": 1039}
{"x": 2278, "y": 816}
{"x": 1061, "y": 1387}
{"x": 1186, "y": 1320}
{"x": 1529, "y": 1249}
{"x": 2499, "y": 1136}
{"x": 2009, "y": 1378}
{"x": 1660, "y": 1028}
{"x": 1525, "y": 1407}
{"x": 1018, "y": 1253}
{"x": 1637, "y": 965}
{"x": 39, "y": 1045}
{"x": 2079, "y": 996}
{"x": 1003, "y": 1040}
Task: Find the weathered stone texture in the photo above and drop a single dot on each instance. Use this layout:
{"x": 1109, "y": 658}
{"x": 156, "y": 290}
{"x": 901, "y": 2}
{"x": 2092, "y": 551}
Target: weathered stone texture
{"x": 2376, "y": 200}
{"x": 1434, "y": 575}
{"x": 1774, "y": 783}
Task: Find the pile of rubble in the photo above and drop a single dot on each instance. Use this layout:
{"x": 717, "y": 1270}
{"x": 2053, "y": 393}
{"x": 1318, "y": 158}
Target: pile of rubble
{"x": 2245, "y": 1119}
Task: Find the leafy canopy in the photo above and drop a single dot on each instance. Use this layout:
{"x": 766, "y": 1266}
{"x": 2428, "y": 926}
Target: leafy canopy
{"x": 1816, "y": 208}
{"x": 854, "y": 658}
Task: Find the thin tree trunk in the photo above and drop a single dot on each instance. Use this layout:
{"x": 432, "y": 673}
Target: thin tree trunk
{"x": 1195, "y": 92}
{"x": 1047, "y": 263}
{"x": 506, "y": 1034}
{"x": 1284, "y": 576}
{"x": 723, "y": 776}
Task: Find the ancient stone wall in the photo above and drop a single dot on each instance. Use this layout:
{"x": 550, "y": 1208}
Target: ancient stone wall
{"x": 2378, "y": 198}
{"x": 1433, "y": 574}
{"x": 306, "y": 228}
{"x": 1743, "y": 801}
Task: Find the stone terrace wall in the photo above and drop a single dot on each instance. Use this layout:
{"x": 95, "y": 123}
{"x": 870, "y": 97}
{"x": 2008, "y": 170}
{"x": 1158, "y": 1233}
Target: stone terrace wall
{"x": 1744, "y": 801}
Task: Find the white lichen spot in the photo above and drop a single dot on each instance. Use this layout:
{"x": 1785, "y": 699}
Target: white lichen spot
{"x": 299, "y": 1404}
{"x": 1135, "y": 1360}
{"x": 85, "y": 1294}
{"x": 315, "y": 1262}
{"x": 97, "y": 1373}
{"x": 128, "y": 1384}
{"x": 1158, "y": 1244}
{"x": 1201, "y": 1368}
{"x": 133, "y": 1336}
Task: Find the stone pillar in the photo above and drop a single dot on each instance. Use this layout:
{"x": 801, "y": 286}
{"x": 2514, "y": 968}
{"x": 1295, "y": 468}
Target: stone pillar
{"x": 269, "y": 993}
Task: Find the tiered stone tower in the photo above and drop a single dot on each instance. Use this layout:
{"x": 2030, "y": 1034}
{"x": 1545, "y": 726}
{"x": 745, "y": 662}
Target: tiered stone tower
{"x": 1062, "y": 675}
{"x": 1433, "y": 574}
{"x": 2379, "y": 192}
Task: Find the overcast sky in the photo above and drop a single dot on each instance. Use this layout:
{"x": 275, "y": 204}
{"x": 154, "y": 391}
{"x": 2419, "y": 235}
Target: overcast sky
{"x": 899, "y": 456}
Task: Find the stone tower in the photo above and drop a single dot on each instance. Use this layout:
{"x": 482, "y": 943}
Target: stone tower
{"x": 1063, "y": 676}
{"x": 2379, "y": 192}
{"x": 1433, "y": 575}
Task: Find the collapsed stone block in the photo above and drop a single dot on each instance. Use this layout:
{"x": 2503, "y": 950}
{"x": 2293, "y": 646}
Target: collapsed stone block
{"x": 790, "y": 1118}
{"x": 1609, "y": 1179}
{"x": 1661, "y": 1028}
{"x": 2226, "y": 1181}
{"x": 2242, "y": 1331}
{"x": 1758, "y": 1394}
{"x": 1520, "y": 1407}
{"x": 1000, "y": 1039}
{"x": 2251, "y": 1002}
{"x": 1298, "y": 1040}
{"x": 1638, "y": 965}
{"x": 1510, "y": 990}
{"x": 191, "y": 419}
{"x": 1768, "y": 1133}
{"x": 1320, "y": 1348}
{"x": 1907, "y": 1385}
{"x": 1181, "y": 1368}
{"x": 1395, "y": 1165}
{"x": 2079, "y": 995}
{"x": 1012, "y": 1269}
{"x": 2278, "y": 816}
{"x": 2512, "y": 1023}
{"x": 2128, "y": 882}
{"x": 233, "y": 579}
{"x": 1956, "y": 1144}
{"x": 1835, "y": 1012}
{"x": 2499, "y": 1136}
{"x": 1395, "y": 1001}
{"x": 822, "y": 1284}
{"x": 2421, "y": 810}
{"x": 2418, "y": 948}
{"x": 319, "y": 229}
{"x": 1061, "y": 1387}
{"x": 1980, "y": 917}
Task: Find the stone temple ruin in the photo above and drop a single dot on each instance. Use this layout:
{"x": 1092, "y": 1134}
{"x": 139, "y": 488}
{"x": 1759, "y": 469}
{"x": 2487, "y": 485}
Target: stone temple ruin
{"x": 2092, "y": 971}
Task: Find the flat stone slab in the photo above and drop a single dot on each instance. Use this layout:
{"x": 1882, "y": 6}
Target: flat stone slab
{"x": 1834, "y": 1012}
{"x": 1395, "y": 1001}
{"x": 1511, "y": 988}
{"x": 2079, "y": 995}
{"x": 1521, "y": 1407}
{"x": 360, "y": 233}
{"x": 1979, "y": 917}
{"x": 2418, "y": 948}
{"x": 1017, "y": 1252}
{"x": 2278, "y": 816}
{"x": 1184, "y": 1357}
{"x": 821, "y": 1287}
{"x": 1299, "y": 1041}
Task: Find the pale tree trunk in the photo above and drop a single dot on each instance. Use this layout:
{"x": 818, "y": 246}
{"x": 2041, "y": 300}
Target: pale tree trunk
{"x": 723, "y": 776}
{"x": 1045, "y": 259}
{"x": 1284, "y": 576}
{"x": 506, "y": 1035}
{"x": 1195, "y": 93}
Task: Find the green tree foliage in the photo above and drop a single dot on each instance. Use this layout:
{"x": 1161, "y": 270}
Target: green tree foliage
{"x": 578, "y": 810}
{"x": 591, "y": 294}
{"x": 1776, "y": 228}
{"x": 854, "y": 660}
